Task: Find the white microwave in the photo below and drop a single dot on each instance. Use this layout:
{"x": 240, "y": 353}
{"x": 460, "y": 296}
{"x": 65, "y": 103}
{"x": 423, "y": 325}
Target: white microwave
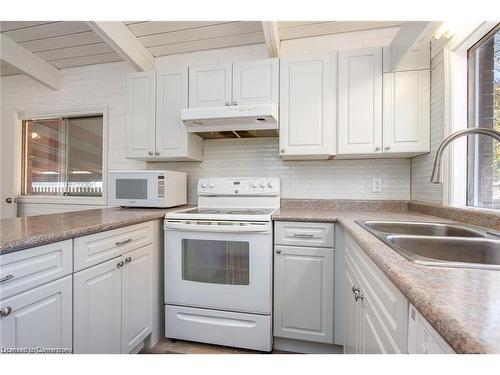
{"x": 147, "y": 188}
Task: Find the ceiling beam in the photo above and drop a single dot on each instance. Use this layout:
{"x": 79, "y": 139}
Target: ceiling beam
{"x": 28, "y": 63}
{"x": 410, "y": 34}
{"x": 272, "y": 37}
{"x": 125, "y": 43}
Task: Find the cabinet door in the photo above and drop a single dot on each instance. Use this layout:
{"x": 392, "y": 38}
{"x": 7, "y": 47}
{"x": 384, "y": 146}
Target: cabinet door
{"x": 407, "y": 112}
{"x": 303, "y": 282}
{"x": 137, "y": 297}
{"x": 374, "y": 336}
{"x": 307, "y": 107}
{"x": 255, "y": 82}
{"x": 351, "y": 328}
{"x": 172, "y": 139}
{"x": 141, "y": 115}
{"x": 40, "y": 317}
{"x": 97, "y": 309}
{"x": 360, "y": 102}
{"x": 210, "y": 85}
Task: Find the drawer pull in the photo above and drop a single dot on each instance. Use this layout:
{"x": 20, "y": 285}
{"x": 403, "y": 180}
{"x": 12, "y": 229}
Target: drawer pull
{"x": 120, "y": 243}
{"x": 6, "y": 278}
{"x": 120, "y": 264}
{"x": 128, "y": 260}
{"x": 5, "y": 311}
{"x": 303, "y": 235}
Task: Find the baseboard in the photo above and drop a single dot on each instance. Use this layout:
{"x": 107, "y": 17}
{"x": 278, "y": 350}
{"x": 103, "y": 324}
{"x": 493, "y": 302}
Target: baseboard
{"x": 306, "y": 347}
{"x": 138, "y": 348}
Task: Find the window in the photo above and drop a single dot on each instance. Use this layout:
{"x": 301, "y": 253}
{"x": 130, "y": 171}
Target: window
{"x": 63, "y": 156}
{"x": 483, "y": 159}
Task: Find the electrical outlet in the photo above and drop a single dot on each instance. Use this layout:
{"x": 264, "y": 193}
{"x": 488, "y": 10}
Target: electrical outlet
{"x": 377, "y": 185}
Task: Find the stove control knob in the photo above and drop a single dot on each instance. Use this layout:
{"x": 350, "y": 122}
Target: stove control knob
{"x": 255, "y": 185}
{"x": 270, "y": 185}
{"x": 204, "y": 185}
{"x": 262, "y": 184}
{"x": 212, "y": 185}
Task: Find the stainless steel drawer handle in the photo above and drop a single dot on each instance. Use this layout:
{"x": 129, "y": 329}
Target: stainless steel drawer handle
{"x": 5, "y": 311}
{"x": 128, "y": 260}
{"x": 120, "y": 243}
{"x": 120, "y": 264}
{"x": 6, "y": 278}
{"x": 358, "y": 296}
{"x": 355, "y": 290}
{"x": 303, "y": 235}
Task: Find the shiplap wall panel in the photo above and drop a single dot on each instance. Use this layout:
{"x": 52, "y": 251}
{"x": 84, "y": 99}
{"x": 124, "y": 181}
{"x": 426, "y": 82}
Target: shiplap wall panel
{"x": 65, "y": 41}
{"x": 12, "y": 25}
{"x": 421, "y": 187}
{"x": 86, "y": 60}
{"x": 77, "y": 51}
{"x": 47, "y": 30}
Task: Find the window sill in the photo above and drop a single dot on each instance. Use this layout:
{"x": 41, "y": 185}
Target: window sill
{"x": 41, "y": 199}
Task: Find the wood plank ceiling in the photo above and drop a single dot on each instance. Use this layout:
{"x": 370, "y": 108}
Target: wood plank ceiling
{"x": 63, "y": 44}
{"x": 67, "y": 44}
{"x": 170, "y": 37}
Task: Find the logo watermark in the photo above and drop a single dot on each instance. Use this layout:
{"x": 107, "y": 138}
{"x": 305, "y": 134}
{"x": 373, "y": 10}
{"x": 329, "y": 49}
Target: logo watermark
{"x": 34, "y": 350}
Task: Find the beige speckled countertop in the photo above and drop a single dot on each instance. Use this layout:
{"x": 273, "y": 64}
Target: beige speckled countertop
{"x": 463, "y": 305}
{"x": 29, "y": 231}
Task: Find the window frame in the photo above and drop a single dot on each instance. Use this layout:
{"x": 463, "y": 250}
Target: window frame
{"x": 67, "y": 112}
{"x": 456, "y": 109}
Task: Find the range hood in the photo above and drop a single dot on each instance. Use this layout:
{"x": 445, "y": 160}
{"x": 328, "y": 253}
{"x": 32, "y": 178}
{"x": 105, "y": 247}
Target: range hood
{"x": 246, "y": 121}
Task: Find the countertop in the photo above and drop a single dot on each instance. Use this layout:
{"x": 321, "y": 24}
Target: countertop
{"x": 29, "y": 231}
{"x": 463, "y": 305}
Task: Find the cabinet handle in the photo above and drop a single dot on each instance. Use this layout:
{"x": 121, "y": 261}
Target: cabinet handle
{"x": 303, "y": 235}
{"x": 6, "y": 278}
{"x": 355, "y": 290}
{"x": 235, "y": 102}
{"x": 5, "y": 311}
{"x": 387, "y": 148}
{"x": 278, "y": 251}
{"x": 282, "y": 150}
{"x": 128, "y": 260}
{"x": 120, "y": 243}
{"x": 358, "y": 296}
{"x": 120, "y": 264}
{"x": 377, "y": 148}
{"x": 157, "y": 153}
{"x": 228, "y": 104}
{"x": 150, "y": 153}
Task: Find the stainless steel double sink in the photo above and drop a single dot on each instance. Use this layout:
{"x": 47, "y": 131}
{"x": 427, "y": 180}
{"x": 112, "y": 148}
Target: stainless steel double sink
{"x": 439, "y": 244}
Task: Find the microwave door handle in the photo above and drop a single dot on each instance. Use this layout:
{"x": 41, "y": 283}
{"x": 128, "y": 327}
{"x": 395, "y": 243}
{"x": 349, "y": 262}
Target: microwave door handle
{"x": 217, "y": 228}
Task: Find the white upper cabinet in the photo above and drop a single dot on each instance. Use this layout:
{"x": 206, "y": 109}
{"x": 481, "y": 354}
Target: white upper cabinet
{"x": 154, "y": 129}
{"x": 407, "y": 112}
{"x": 255, "y": 82}
{"x": 210, "y": 85}
{"x": 172, "y": 139}
{"x": 141, "y": 115}
{"x": 308, "y": 107}
{"x": 360, "y": 102}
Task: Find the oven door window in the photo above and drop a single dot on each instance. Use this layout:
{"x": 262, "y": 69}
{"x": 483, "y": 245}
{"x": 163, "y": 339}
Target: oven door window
{"x": 215, "y": 262}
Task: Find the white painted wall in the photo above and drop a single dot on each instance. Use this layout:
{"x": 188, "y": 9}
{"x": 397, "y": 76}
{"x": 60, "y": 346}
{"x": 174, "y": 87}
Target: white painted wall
{"x": 105, "y": 84}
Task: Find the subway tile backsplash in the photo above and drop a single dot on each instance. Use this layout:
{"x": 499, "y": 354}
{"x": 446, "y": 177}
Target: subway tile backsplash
{"x": 316, "y": 179}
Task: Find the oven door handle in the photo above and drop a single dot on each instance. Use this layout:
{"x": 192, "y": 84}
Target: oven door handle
{"x": 214, "y": 228}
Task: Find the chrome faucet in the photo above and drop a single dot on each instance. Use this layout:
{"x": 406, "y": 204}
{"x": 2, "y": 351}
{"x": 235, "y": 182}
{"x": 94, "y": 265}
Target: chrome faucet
{"x": 437, "y": 175}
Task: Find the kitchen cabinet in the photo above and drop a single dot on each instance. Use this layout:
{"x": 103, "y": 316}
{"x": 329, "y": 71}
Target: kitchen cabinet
{"x": 375, "y": 311}
{"x": 422, "y": 338}
{"x": 210, "y": 85}
{"x": 113, "y": 303}
{"x": 360, "y": 102}
{"x": 39, "y": 317}
{"x": 154, "y": 129}
{"x": 234, "y": 84}
{"x": 406, "y": 113}
{"x": 308, "y": 107}
{"x": 303, "y": 283}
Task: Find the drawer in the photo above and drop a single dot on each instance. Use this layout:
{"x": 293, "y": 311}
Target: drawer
{"x": 27, "y": 269}
{"x": 390, "y": 304}
{"x": 100, "y": 247}
{"x": 303, "y": 234}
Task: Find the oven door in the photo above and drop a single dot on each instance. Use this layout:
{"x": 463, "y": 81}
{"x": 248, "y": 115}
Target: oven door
{"x": 219, "y": 265}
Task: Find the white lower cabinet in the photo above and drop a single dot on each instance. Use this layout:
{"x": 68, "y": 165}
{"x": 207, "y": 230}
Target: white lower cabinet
{"x": 422, "y": 338}
{"x": 303, "y": 282}
{"x": 39, "y": 318}
{"x": 113, "y": 304}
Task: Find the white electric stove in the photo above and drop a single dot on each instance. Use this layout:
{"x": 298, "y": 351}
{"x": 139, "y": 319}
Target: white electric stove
{"x": 218, "y": 264}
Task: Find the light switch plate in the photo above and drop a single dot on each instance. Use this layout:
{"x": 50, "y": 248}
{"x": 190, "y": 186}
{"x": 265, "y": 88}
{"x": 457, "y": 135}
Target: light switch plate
{"x": 377, "y": 185}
